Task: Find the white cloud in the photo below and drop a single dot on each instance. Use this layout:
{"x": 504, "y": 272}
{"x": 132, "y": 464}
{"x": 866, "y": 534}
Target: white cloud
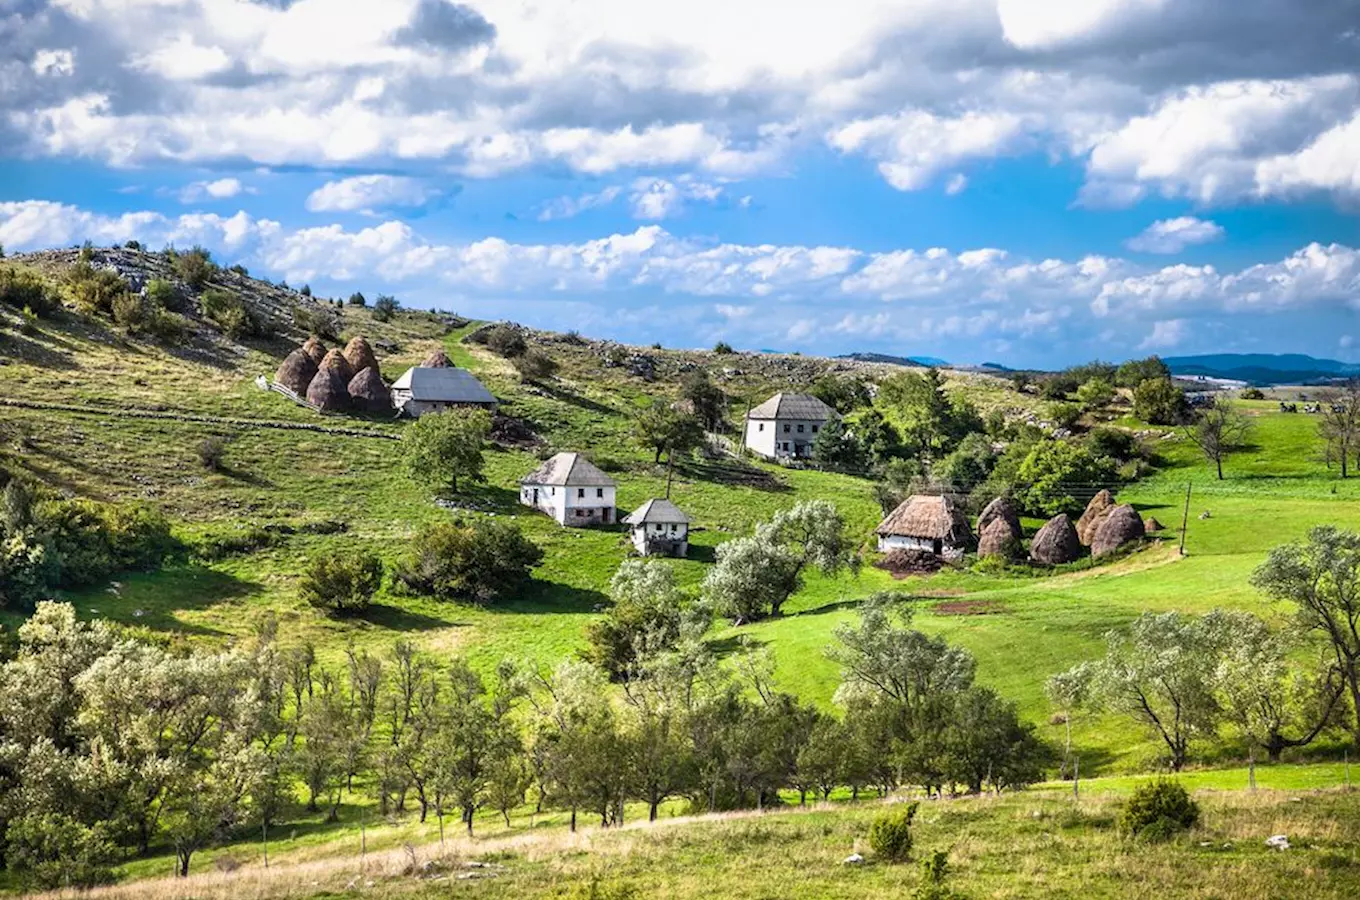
{"x": 219, "y": 189}
{"x": 48, "y": 63}
{"x": 368, "y": 193}
{"x": 956, "y": 184}
{"x": 570, "y": 207}
{"x": 183, "y": 60}
{"x": 1165, "y": 334}
{"x": 662, "y": 198}
{"x": 1174, "y": 235}
{"x": 1040, "y": 24}
{"x": 913, "y": 147}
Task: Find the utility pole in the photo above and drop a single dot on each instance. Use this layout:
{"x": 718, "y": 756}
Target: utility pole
{"x": 1185, "y": 517}
{"x": 670, "y": 468}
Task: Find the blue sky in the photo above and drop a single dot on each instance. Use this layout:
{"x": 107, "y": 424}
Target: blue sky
{"x": 1033, "y": 182}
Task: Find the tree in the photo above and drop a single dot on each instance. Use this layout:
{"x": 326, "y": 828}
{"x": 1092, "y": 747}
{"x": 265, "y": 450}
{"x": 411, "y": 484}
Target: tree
{"x": 1053, "y": 475}
{"x": 1134, "y": 372}
{"x": 1219, "y": 430}
{"x": 441, "y": 448}
{"x": 880, "y": 438}
{"x": 469, "y": 559}
{"x": 534, "y": 365}
{"x": 930, "y": 422}
{"x": 665, "y": 430}
{"x": 582, "y": 750}
{"x": 195, "y": 267}
{"x": 707, "y": 400}
{"x": 1095, "y": 394}
{"x": 836, "y": 448}
{"x": 1159, "y": 402}
{"x": 985, "y": 741}
{"x": 1069, "y": 691}
{"x": 471, "y": 739}
{"x": 968, "y": 465}
{"x": 1161, "y": 674}
{"x": 1322, "y": 578}
{"x": 506, "y": 340}
{"x": 844, "y": 395}
{"x": 357, "y": 299}
{"x": 823, "y": 760}
{"x": 341, "y": 583}
{"x": 1340, "y": 424}
{"x": 648, "y": 616}
{"x": 385, "y": 308}
{"x": 722, "y": 348}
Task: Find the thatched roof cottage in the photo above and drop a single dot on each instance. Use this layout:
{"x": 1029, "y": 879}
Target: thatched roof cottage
{"x": 571, "y": 489}
{"x": 660, "y": 528}
{"x": 933, "y": 524}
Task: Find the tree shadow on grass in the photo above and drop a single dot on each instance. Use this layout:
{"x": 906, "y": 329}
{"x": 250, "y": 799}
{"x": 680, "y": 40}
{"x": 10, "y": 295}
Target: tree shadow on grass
{"x": 834, "y": 606}
{"x": 397, "y": 618}
{"x": 724, "y": 647}
{"x": 551, "y": 597}
{"x": 155, "y": 599}
{"x": 245, "y": 477}
{"x": 31, "y": 351}
{"x": 731, "y": 473}
{"x": 702, "y": 553}
{"x": 564, "y": 396}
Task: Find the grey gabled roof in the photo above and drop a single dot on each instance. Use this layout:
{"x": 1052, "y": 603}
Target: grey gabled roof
{"x": 657, "y": 511}
{"x": 443, "y": 385}
{"x": 569, "y": 469}
{"x": 792, "y": 406}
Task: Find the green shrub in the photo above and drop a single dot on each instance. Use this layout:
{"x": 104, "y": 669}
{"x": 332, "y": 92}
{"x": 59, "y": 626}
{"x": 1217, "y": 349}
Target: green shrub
{"x": 89, "y": 541}
{"x": 890, "y": 833}
{"x": 94, "y": 290}
{"x": 167, "y": 327}
{"x": 341, "y": 583}
{"x": 475, "y": 559}
{"x": 164, "y": 294}
{"x": 228, "y": 312}
{"x": 54, "y": 851}
{"x": 722, "y": 348}
{"x": 131, "y": 312}
{"x": 534, "y": 365}
{"x": 1253, "y": 393}
{"x": 22, "y": 289}
{"x": 506, "y": 341}
{"x": 249, "y": 539}
{"x": 1159, "y": 810}
{"x": 385, "y": 307}
{"x": 1158, "y": 401}
{"x": 195, "y": 267}
{"x": 211, "y": 451}
{"x": 317, "y": 320}
{"x": 358, "y": 299}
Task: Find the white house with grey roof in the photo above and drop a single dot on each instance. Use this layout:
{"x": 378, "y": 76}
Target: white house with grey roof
{"x": 660, "y": 528}
{"x": 572, "y": 490}
{"x": 423, "y": 389}
{"x": 784, "y": 426}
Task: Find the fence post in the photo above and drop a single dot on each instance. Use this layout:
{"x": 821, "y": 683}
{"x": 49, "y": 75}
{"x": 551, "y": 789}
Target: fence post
{"x": 1251, "y": 769}
{"x": 1185, "y": 518}
{"x": 1076, "y": 778}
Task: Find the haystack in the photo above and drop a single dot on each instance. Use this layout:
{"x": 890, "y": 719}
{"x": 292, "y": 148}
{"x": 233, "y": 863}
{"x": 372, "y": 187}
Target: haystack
{"x": 1096, "y": 511}
{"x": 1056, "y": 543}
{"x": 437, "y": 359}
{"x": 296, "y": 372}
{"x": 335, "y": 360}
{"x": 1150, "y": 524}
{"x": 367, "y": 391}
{"x": 328, "y": 390}
{"x": 360, "y": 356}
{"x": 315, "y": 349}
{"x": 998, "y": 540}
{"x": 1121, "y": 526}
{"x": 1001, "y": 509}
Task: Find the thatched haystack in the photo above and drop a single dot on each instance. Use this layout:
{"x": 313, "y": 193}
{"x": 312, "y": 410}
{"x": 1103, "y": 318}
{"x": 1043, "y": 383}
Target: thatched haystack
{"x": 1001, "y": 509}
{"x": 1122, "y": 525}
{"x": 437, "y": 359}
{"x": 1150, "y": 524}
{"x": 315, "y": 349}
{"x": 335, "y": 361}
{"x": 1095, "y": 513}
{"x": 998, "y": 540}
{"x": 328, "y": 390}
{"x": 360, "y": 356}
{"x": 1056, "y": 543}
{"x": 367, "y": 391}
{"x": 296, "y": 372}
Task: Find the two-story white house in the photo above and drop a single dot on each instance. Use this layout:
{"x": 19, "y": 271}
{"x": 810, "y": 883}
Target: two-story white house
{"x": 660, "y": 528}
{"x": 785, "y": 425}
{"x": 572, "y": 490}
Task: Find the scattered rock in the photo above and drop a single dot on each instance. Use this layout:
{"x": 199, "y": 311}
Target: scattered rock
{"x": 854, "y": 859}
{"x": 1277, "y": 842}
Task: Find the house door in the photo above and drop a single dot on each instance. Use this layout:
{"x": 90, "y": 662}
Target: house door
{"x": 937, "y": 548}
{"x": 535, "y": 496}
{"x": 604, "y": 515}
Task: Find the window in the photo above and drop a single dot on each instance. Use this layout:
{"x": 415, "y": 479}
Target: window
{"x": 580, "y": 513}
{"x": 674, "y": 528}
{"x": 800, "y": 429}
{"x": 760, "y": 426}
{"x": 786, "y": 427}
{"x": 814, "y": 429}
{"x": 599, "y": 492}
{"x": 580, "y": 492}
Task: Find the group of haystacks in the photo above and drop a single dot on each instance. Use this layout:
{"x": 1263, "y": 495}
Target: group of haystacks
{"x": 336, "y": 379}
{"x": 1104, "y": 527}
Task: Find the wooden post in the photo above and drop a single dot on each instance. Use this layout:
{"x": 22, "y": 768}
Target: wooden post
{"x": 1348, "y": 769}
{"x": 363, "y": 837}
{"x": 1076, "y": 778}
{"x": 670, "y": 468}
{"x": 745, "y": 424}
{"x": 264, "y": 840}
{"x": 1185, "y": 517}
{"x": 1251, "y": 769}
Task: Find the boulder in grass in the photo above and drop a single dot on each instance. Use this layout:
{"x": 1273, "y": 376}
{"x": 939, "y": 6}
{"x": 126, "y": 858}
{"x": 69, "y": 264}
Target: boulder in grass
{"x": 328, "y": 390}
{"x": 315, "y": 349}
{"x": 1095, "y": 513}
{"x": 1002, "y": 509}
{"x": 1121, "y": 525}
{"x": 360, "y": 356}
{"x": 999, "y": 540}
{"x": 1056, "y": 543}
{"x": 296, "y": 372}
{"x": 368, "y": 393}
{"x": 1150, "y": 524}
{"x": 437, "y": 359}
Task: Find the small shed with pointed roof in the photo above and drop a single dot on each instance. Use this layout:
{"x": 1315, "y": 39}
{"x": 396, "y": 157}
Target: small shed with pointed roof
{"x": 933, "y": 524}
{"x": 422, "y": 389}
{"x": 785, "y": 425}
{"x": 572, "y": 490}
{"x": 660, "y": 528}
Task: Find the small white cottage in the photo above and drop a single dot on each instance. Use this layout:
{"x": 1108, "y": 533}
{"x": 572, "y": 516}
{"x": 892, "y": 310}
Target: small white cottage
{"x": 785, "y": 425}
{"x": 660, "y": 529}
{"x": 935, "y": 525}
{"x": 572, "y": 490}
{"x": 423, "y": 389}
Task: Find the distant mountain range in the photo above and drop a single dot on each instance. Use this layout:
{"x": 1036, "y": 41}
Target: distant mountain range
{"x": 917, "y": 361}
{"x": 1262, "y": 368}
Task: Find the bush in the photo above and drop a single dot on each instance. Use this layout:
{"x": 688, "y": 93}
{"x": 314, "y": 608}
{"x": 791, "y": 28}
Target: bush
{"x": 1158, "y": 401}
{"x": 506, "y": 341}
{"x": 228, "y": 312}
{"x": 358, "y": 299}
{"x": 167, "y": 327}
{"x": 317, "y": 320}
{"x": 211, "y": 451}
{"x": 164, "y": 294}
{"x": 135, "y": 246}
{"x": 1158, "y": 810}
{"x": 385, "y": 307}
{"x": 890, "y": 833}
{"x": 1066, "y": 415}
{"x": 249, "y": 539}
{"x": 132, "y": 313}
{"x": 1253, "y": 393}
{"x": 1113, "y": 443}
{"x": 91, "y": 540}
{"x": 94, "y": 290}
{"x": 341, "y": 583}
{"x": 534, "y": 365}
{"x": 1054, "y": 474}
{"x": 475, "y": 559}
{"x": 194, "y": 267}
{"x": 21, "y": 289}
{"x": 722, "y": 348}
{"x": 53, "y": 851}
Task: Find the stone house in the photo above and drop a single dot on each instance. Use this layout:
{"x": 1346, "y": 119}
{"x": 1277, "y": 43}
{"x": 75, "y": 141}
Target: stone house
{"x": 572, "y": 490}
{"x": 660, "y": 528}
{"x": 785, "y": 426}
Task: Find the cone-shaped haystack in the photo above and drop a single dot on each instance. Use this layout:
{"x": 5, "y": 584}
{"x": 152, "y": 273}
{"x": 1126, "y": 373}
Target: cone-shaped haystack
{"x": 360, "y": 356}
{"x": 328, "y": 390}
{"x": 1056, "y": 543}
{"x": 315, "y": 349}
{"x": 1002, "y": 509}
{"x": 998, "y": 540}
{"x": 1096, "y": 511}
{"x": 1150, "y": 525}
{"x": 437, "y": 359}
{"x": 1119, "y": 527}
{"x": 335, "y": 360}
{"x": 297, "y": 371}
{"x": 367, "y": 391}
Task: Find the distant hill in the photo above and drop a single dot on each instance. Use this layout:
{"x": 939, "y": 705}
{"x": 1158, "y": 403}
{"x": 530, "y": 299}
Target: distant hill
{"x": 1262, "y": 368}
{"x": 918, "y": 362}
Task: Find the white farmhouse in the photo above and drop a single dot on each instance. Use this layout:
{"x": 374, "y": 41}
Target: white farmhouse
{"x": 423, "y": 389}
{"x": 572, "y": 490}
{"x": 660, "y": 529}
{"x": 785, "y": 425}
{"x": 934, "y": 525}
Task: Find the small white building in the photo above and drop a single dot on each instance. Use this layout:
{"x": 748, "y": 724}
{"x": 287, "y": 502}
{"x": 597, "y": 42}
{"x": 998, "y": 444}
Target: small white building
{"x": 423, "y": 389}
{"x": 784, "y": 426}
{"x": 935, "y": 525}
{"x": 572, "y": 490}
{"x": 660, "y": 529}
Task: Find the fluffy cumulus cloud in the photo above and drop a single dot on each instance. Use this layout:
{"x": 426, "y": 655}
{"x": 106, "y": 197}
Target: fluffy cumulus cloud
{"x": 1174, "y": 235}
{"x": 217, "y": 189}
{"x": 366, "y": 193}
{"x": 1193, "y": 98}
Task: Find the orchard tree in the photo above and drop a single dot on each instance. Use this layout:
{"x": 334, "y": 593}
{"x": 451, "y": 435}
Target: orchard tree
{"x": 1219, "y": 430}
{"x": 707, "y": 400}
{"x": 341, "y": 583}
{"x": 661, "y": 429}
{"x": 442, "y": 448}
{"x": 1340, "y": 424}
